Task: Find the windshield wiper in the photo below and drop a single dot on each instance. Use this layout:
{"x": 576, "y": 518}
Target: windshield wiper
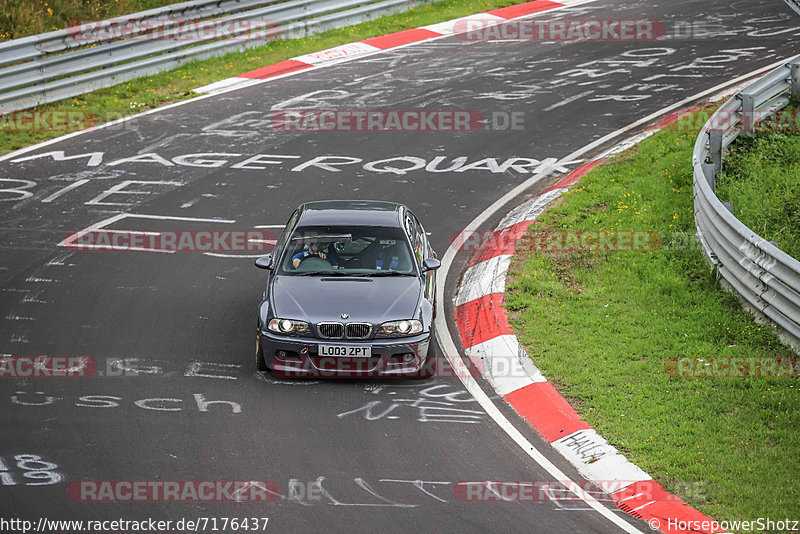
{"x": 334, "y": 272}
{"x": 323, "y": 237}
{"x": 337, "y": 272}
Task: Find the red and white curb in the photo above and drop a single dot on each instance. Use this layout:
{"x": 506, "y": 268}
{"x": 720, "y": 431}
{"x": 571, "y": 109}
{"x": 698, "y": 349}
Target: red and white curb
{"x": 489, "y": 342}
{"x": 373, "y": 45}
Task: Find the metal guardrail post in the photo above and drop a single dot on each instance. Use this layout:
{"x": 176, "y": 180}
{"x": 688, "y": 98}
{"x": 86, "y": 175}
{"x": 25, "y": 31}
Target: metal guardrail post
{"x": 715, "y": 149}
{"x": 795, "y": 67}
{"x": 748, "y": 111}
{"x": 710, "y": 174}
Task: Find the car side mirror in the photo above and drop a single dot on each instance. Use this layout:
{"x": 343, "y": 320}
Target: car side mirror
{"x": 430, "y": 264}
{"x": 264, "y": 262}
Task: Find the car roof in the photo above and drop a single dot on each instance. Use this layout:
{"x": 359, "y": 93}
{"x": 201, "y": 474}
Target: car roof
{"x": 350, "y": 212}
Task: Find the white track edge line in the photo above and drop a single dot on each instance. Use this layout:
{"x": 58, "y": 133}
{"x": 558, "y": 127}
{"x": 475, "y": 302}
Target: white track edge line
{"x": 452, "y": 353}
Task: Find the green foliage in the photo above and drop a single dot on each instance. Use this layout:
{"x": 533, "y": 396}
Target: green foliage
{"x": 19, "y": 18}
{"x": 762, "y": 178}
{"x": 602, "y": 325}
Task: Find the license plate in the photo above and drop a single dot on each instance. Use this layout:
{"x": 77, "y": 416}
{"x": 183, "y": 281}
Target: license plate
{"x": 350, "y": 351}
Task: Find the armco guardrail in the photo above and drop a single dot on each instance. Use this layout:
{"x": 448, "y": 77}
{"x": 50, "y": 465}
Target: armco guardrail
{"x": 51, "y": 66}
{"x": 794, "y": 4}
{"x": 767, "y": 278}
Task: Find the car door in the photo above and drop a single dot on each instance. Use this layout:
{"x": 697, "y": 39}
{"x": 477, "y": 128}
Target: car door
{"x": 423, "y": 251}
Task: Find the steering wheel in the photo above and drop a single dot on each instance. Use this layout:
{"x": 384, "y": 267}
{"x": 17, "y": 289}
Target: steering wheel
{"x": 313, "y": 263}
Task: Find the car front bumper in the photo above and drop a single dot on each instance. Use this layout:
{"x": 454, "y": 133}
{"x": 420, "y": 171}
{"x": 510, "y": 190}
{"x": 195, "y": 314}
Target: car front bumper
{"x": 399, "y": 357}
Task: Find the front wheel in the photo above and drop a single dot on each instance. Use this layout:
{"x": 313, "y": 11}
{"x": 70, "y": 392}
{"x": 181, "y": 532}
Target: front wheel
{"x": 429, "y": 368}
{"x": 261, "y": 364}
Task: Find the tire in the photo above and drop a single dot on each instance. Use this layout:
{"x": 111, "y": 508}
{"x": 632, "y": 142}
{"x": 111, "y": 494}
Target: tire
{"x": 428, "y": 370}
{"x": 425, "y": 372}
{"x": 261, "y": 364}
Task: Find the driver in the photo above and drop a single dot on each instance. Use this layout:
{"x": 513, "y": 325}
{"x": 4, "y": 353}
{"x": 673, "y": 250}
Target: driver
{"x": 314, "y": 250}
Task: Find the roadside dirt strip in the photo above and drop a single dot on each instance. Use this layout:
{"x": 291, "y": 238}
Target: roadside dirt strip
{"x": 489, "y": 341}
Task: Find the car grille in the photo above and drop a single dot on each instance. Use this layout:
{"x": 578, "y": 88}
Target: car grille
{"x": 337, "y": 330}
{"x": 358, "y": 330}
{"x": 330, "y": 330}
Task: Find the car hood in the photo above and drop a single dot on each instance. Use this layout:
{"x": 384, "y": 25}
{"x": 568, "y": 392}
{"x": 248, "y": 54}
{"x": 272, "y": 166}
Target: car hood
{"x": 372, "y": 300}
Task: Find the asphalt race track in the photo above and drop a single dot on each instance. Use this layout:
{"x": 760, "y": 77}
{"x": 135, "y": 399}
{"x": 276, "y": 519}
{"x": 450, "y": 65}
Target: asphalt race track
{"x": 346, "y": 455}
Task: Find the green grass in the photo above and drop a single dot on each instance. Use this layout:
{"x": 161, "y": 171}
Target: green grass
{"x": 19, "y": 18}
{"x": 762, "y": 178}
{"x": 152, "y": 91}
{"x": 601, "y": 325}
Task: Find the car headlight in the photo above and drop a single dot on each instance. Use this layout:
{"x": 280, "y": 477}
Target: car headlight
{"x": 287, "y": 326}
{"x": 406, "y": 327}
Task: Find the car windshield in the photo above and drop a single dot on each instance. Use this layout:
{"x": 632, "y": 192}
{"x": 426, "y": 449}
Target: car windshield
{"x": 347, "y": 251}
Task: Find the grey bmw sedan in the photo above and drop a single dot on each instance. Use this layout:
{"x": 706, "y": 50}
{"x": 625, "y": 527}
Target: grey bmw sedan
{"x": 350, "y": 292}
